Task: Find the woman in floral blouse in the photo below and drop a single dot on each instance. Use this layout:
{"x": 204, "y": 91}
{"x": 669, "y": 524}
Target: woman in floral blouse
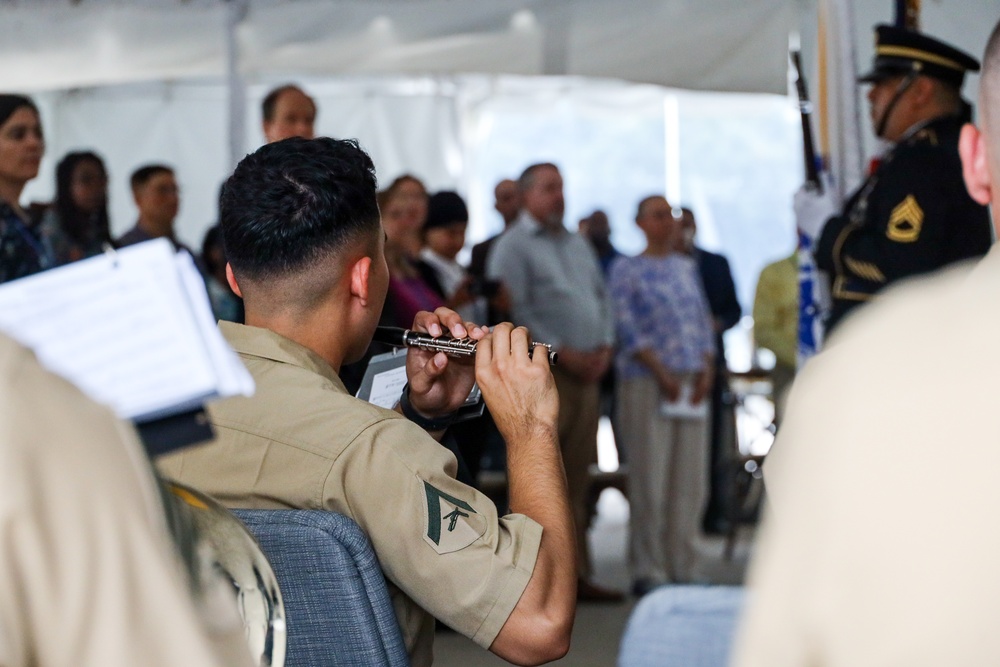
{"x": 665, "y": 366}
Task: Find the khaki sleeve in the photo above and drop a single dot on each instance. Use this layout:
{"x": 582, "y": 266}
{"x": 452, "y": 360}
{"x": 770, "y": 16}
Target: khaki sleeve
{"x": 88, "y": 574}
{"x": 440, "y": 541}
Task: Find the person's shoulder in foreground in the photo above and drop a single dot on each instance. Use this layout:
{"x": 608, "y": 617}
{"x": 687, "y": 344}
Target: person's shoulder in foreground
{"x": 88, "y": 573}
{"x": 306, "y": 251}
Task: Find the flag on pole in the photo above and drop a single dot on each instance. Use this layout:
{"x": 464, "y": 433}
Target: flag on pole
{"x": 839, "y": 113}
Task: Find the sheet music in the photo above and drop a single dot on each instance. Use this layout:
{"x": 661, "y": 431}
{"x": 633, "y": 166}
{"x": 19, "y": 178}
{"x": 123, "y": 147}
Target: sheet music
{"x": 128, "y": 328}
{"x": 387, "y": 386}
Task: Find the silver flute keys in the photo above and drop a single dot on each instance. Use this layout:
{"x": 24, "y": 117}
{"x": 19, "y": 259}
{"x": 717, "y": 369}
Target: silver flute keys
{"x": 453, "y": 347}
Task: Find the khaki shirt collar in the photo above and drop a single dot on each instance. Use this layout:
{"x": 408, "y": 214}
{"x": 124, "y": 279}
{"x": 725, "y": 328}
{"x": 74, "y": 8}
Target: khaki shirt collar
{"x": 265, "y": 344}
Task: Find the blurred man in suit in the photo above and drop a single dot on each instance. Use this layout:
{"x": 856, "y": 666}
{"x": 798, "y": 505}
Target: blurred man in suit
{"x": 721, "y": 292}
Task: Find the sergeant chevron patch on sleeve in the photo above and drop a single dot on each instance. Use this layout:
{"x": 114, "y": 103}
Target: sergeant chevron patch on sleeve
{"x": 905, "y": 221}
{"x": 452, "y": 523}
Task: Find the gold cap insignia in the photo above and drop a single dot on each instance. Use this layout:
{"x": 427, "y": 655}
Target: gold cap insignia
{"x": 905, "y": 221}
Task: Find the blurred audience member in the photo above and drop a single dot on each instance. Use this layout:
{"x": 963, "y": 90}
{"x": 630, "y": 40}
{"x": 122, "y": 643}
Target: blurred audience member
{"x": 597, "y": 229}
{"x": 413, "y": 285}
{"x": 404, "y": 213}
{"x": 508, "y": 205}
{"x": 22, "y": 250}
{"x": 288, "y": 112}
{"x": 557, "y": 290}
{"x": 76, "y": 226}
{"x": 444, "y": 237}
{"x": 157, "y": 197}
{"x": 721, "y": 293}
{"x": 666, "y": 358}
{"x": 776, "y": 323}
{"x": 225, "y": 304}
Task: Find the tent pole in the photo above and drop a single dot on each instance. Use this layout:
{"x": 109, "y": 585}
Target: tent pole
{"x": 236, "y": 86}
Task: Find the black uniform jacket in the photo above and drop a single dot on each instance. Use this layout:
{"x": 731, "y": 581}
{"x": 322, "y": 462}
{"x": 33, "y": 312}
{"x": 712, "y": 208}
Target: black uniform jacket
{"x": 911, "y": 216}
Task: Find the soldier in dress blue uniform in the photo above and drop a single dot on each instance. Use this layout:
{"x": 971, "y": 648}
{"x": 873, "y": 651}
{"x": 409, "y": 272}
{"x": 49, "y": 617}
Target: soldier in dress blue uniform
{"x": 913, "y": 214}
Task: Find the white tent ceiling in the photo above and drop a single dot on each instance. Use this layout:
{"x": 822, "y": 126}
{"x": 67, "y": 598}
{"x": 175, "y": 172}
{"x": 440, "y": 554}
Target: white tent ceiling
{"x": 696, "y": 44}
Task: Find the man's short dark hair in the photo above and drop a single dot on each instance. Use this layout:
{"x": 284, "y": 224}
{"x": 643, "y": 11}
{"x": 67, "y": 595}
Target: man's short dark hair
{"x": 295, "y": 201}
{"x": 527, "y": 177}
{"x": 143, "y": 174}
{"x": 270, "y": 102}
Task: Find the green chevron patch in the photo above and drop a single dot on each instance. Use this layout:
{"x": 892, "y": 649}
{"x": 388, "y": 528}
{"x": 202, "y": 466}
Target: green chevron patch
{"x": 452, "y": 523}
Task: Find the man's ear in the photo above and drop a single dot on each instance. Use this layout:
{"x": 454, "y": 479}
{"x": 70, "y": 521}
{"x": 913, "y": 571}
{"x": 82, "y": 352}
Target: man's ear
{"x": 360, "y": 274}
{"x": 975, "y": 164}
{"x": 231, "y": 279}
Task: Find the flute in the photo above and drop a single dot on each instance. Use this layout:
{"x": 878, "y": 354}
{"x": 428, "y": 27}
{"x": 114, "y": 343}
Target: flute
{"x": 453, "y": 347}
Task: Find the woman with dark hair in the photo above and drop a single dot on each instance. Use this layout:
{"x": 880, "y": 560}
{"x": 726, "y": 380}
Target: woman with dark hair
{"x": 76, "y": 225}
{"x": 22, "y": 250}
{"x": 412, "y": 285}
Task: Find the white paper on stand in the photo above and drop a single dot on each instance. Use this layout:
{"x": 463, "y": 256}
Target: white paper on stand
{"x": 132, "y": 328}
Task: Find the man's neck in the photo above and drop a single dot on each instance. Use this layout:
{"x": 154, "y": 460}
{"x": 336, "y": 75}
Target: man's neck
{"x": 312, "y": 331}
{"x": 155, "y": 228}
{"x": 553, "y": 227}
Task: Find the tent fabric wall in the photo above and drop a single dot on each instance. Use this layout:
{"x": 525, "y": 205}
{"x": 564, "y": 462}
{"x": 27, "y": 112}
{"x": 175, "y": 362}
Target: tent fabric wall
{"x": 736, "y": 162}
{"x": 406, "y": 125}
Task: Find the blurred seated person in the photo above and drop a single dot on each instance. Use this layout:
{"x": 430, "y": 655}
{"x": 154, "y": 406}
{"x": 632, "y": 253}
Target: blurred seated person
{"x": 22, "y": 145}
{"x": 76, "y": 225}
{"x": 157, "y": 197}
{"x": 776, "y": 323}
{"x": 287, "y": 111}
{"x": 89, "y": 575}
{"x": 225, "y": 304}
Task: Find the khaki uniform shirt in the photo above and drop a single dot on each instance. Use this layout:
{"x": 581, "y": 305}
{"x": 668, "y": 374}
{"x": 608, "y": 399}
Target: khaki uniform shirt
{"x": 881, "y": 544}
{"x": 88, "y": 573}
{"x": 303, "y": 442}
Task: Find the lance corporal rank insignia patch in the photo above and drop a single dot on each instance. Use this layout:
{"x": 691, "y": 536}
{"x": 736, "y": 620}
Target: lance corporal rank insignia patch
{"x": 905, "y": 221}
{"x": 452, "y": 523}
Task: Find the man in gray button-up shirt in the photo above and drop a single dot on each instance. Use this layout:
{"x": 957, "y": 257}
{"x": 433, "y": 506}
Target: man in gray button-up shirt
{"x": 557, "y": 290}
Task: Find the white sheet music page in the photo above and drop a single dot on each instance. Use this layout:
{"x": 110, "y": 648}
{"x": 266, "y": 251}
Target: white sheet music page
{"x": 129, "y": 328}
